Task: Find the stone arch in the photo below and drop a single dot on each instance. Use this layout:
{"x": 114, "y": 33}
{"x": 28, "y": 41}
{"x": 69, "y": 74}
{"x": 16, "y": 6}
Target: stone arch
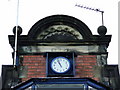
{"x": 61, "y": 27}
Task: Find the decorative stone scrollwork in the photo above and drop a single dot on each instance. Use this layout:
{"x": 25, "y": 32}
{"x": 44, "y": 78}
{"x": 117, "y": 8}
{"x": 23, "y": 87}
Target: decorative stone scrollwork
{"x": 59, "y": 31}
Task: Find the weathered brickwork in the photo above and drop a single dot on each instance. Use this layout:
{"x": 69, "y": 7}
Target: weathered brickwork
{"x": 84, "y": 66}
{"x": 36, "y": 65}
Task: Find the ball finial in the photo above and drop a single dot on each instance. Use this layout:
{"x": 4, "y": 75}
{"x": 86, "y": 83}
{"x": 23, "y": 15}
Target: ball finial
{"x": 19, "y": 30}
{"x": 102, "y": 30}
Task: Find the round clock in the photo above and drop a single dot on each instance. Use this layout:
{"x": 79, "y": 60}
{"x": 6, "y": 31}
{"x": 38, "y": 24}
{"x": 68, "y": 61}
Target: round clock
{"x": 60, "y": 64}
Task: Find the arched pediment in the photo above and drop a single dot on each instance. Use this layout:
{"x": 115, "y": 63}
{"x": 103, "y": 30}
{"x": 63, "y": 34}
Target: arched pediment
{"x": 59, "y": 28}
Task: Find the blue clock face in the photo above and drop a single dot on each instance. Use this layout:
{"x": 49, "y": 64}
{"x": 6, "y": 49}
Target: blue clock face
{"x": 60, "y": 64}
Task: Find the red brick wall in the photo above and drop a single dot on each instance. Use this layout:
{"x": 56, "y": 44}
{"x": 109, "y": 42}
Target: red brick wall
{"x": 36, "y": 66}
{"x": 84, "y": 66}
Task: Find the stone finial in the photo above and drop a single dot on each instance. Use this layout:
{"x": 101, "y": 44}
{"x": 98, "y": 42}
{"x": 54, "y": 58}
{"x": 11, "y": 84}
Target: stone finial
{"x": 19, "y": 30}
{"x": 102, "y": 30}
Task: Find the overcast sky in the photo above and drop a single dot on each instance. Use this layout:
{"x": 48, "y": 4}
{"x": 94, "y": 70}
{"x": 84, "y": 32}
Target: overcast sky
{"x": 31, "y": 11}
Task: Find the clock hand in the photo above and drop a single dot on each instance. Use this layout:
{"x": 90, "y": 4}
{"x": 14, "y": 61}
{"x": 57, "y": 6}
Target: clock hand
{"x": 59, "y": 63}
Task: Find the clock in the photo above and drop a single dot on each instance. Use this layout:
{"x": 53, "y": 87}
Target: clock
{"x": 60, "y": 64}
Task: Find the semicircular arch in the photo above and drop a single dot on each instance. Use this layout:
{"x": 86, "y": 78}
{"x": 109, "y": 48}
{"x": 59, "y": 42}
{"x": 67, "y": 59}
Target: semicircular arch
{"x": 59, "y": 26}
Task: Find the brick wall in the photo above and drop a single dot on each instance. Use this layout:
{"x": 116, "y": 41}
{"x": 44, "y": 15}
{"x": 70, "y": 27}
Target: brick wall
{"x": 36, "y": 66}
{"x": 84, "y": 66}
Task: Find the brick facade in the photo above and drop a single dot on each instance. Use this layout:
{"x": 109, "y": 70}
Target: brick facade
{"x": 36, "y": 66}
{"x": 84, "y": 66}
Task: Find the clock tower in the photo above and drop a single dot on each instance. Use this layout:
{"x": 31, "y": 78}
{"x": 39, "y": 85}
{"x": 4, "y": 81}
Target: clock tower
{"x": 61, "y": 46}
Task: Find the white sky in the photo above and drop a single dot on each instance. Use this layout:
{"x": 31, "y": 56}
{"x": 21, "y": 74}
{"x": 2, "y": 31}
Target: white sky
{"x": 31, "y": 11}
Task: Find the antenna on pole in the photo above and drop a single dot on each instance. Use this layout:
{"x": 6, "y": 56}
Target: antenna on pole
{"x": 102, "y": 30}
{"x": 93, "y": 9}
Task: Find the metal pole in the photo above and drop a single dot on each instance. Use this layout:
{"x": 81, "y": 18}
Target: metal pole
{"x": 102, "y": 18}
{"x": 15, "y": 48}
